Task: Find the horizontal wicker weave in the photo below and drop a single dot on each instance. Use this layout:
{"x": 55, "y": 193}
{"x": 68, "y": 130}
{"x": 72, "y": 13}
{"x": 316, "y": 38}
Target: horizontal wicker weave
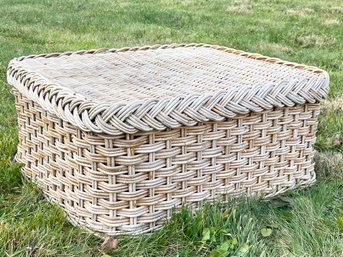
{"x": 119, "y": 137}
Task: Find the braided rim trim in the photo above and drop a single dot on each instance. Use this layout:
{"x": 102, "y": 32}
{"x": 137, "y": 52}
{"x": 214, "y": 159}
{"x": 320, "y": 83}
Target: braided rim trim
{"x": 170, "y": 112}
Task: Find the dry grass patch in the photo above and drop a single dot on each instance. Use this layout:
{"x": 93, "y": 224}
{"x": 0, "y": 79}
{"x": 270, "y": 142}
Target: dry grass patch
{"x": 300, "y": 12}
{"x": 329, "y": 164}
{"x": 333, "y": 105}
{"x": 240, "y": 9}
{"x": 330, "y": 128}
{"x": 334, "y": 10}
{"x": 275, "y": 48}
{"x": 331, "y": 22}
{"x": 240, "y": 6}
{"x": 314, "y": 40}
{"x": 237, "y": 2}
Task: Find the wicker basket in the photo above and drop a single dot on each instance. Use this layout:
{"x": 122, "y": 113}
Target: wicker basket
{"x": 119, "y": 137}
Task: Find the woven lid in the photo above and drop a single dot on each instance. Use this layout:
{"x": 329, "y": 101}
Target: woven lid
{"x": 126, "y": 90}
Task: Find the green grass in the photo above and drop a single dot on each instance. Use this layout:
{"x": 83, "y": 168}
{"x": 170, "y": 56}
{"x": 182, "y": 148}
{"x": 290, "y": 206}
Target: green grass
{"x": 302, "y": 223}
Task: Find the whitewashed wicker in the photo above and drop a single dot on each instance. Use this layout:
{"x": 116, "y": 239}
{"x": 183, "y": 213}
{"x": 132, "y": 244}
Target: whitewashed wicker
{"x": 119, "y": 137}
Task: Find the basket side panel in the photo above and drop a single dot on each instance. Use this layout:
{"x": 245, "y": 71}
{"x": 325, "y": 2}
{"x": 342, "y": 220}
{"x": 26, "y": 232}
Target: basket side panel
{"x": 131, "y": 183}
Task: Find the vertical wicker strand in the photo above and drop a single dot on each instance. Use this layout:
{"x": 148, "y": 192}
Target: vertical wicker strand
{"x": 226, "y": 165}
{"x": 29, "y": 142}
{"x": 274, "y": 141}
{"x": 132, "y": 186}
{"x": 61, "y": 157}
{"x": 271, "y": 168}
{"x": 94, "y": 181}
{"x": 294, "y": 140}
{"x": 315, "y": 112}
{"x": 199, "y": 188}
{"x": 169, "y": 181}
{"x": 112, "y": 181}
{"x": 238, "y": 188}
{"x": 303, "y": 146}
{"x": 214, "y": 165}
{"x": 80, "y": 187}
{"x": 285, "y": 148}
{"x": 152, "y": 177}
{"x": 251, "y": 173}
{"x": 183, "y": 166}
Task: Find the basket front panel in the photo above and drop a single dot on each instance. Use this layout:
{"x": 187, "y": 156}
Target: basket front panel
{"x": 131, "y": 183}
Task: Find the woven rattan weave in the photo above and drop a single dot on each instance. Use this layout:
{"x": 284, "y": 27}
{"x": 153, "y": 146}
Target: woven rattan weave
{"x": 119, "y": 137}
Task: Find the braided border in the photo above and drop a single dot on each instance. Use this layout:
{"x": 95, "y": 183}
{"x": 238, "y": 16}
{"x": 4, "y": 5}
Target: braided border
{"x": 169, "y": 112}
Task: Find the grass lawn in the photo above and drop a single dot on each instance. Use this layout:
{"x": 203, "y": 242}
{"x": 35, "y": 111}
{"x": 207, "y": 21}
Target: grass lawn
{"x": 302, "y": 223}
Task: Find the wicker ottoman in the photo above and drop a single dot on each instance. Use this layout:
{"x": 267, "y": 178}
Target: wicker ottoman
{"x": 121, "y": 137}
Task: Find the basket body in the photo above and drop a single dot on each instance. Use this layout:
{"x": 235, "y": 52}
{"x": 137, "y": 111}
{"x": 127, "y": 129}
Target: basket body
{"x": 130, "y": 184}
{"x": 119, "y": 138}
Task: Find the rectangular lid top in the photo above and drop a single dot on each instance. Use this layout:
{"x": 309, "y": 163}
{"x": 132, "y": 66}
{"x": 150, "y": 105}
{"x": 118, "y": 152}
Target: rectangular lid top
{"x": 154, "y": 87}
